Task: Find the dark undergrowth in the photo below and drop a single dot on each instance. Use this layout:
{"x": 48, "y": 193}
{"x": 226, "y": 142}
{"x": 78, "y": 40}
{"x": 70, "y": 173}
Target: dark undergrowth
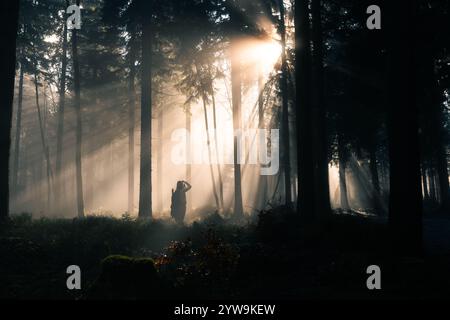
{"x": 278, "y": 256}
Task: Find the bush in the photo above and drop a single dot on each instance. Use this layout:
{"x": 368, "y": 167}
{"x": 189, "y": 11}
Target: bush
{"x": 204, "y": 270}
{"x": 22, "y": 218}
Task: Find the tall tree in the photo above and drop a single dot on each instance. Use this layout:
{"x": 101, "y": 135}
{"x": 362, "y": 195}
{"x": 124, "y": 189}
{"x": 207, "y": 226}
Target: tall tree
{"x": 320, "y": 143}
{"x": 131, "y": 120}
{"x": 45, "y": 148}
{"x": 405, "y": 201}
{"x": 216, "y": 142}
{"x": 159, "y": 161}
{"x": 15, "y": 168}
{"x": 236, "y": 92}
{"x": 285, "y": 109}
{"x": 262, "y": 179}
{"x": 305, "y": 202}
{"x": 61, "y": 112}
{"x": 79, "y": 129}
{"x": 145, "y": 188}
{"x": 208, "y": 142}
{"x": 342, "y": 150}
{"x": 9, "y": 13}
{"x": 188, "y": 156}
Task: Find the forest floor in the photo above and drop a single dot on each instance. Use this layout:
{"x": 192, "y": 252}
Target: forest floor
{"x": 274, "y": 257}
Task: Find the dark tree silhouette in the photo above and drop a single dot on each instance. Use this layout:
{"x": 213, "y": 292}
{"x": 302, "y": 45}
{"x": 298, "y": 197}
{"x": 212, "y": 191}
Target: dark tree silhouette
{"x": 405, "y": 202}
{"x": 236, "y": 103}
{"x": 61, "y": 112}
{"x": 15, "y": 167}
{"x": 145, "y": 189}
{"x": 285, "y": 109}
{"x": 79, "y": 128}
{"x": 9, "y": 13}
{"x": 320, "y": 143}
{"x": 131, "y": 119}
{"x": 305, "y": 202}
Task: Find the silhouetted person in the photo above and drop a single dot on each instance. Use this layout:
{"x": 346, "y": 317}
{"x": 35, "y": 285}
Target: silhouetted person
{"x": 178, "y": 207}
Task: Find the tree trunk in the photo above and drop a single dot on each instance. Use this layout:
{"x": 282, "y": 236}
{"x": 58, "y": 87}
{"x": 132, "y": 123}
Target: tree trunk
{"x": 433, "y": 196}
{"x": 236, "y": 104}
{"x": 79, "y": 129}
{"x": 436, "y": 186}
{"x": 145, "y": 187}
{"x": 188, "y": 158}
{"x": 208, "y": 142}
{"x": 442, "y": 170}
{"x": 320, "y": 143}
{"x": 342, "y": 153}
{"x": 159, "y": 161}
{"x": 405, "y": 201}
{"x": 305, "y": 203}
{"x": 384, "y": 177}
{"x": 45, "y": 149}
{"x": 435, "y": 129}
{"x": 131, "y": 123}
{"x": 261, "y": 126}
{"x": 15, "y": 177}
{"x": 60, "y": 130}
{"x": 285, "y": 111}
{"x": 376, "y": 195}
{"x": 374, "y": 169}
{"x": 9, "y": 12}
{"x": 426, "y": 193}
{"x": 216, "y": 141}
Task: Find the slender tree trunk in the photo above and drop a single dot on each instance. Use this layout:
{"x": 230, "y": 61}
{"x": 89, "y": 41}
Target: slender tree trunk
{"x": 261, "y": 126}
{"x": 385, "y": 177}
{"x": 79, "y": 129}
{"x": 60, "y": 130}
{"x": 145, "y": 187}
{"x": 216, "y": 141}
{"x": 159, "y": 161}
{"x": 405, "y": 202}
{"x": 92, "y": 176}
{"x": 15, "y": 172}
{"x": 431, "y": 184}
{"x": 41, "y": 191}
{"x": 305, "y": 203}
{"x": 442, "y": 171}
{"x": 376, "y": 196}
{"x": 342, "y": 170}
{"x": 188, "y": 158}
{"x": 89, "y": 171}
{"x": 436, "y": 186}
{"x": 131, "y": 123}
{"x": 45, "y": 149}
{"x": 237, "y": 124}
{"x": 285, "y": 111}
{"x": 426, "y": 193}
{"x": 9, "y": 12}
{"x": 208, "y": 142}
{"x": 374, "y": 169}
{"x": 435, "y": 128}
{"x": 320, "y": 143}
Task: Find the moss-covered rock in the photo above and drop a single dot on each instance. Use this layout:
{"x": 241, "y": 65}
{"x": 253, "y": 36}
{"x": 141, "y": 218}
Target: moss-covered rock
{"x": 125, "y": 277}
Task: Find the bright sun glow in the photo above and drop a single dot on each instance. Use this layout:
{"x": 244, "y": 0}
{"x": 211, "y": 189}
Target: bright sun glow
{"x": 263, "y": 53}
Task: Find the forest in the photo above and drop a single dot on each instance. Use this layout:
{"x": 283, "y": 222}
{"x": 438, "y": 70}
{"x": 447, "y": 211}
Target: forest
{"x": 224, "y": 148}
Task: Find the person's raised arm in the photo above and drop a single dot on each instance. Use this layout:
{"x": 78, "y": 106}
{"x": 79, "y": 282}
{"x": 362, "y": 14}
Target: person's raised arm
{"x": 187, "y": 186}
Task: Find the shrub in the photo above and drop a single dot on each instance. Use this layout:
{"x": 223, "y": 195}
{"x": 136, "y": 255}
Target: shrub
{"x": 206, "y": 268}
{"x": 22, "y": 218}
